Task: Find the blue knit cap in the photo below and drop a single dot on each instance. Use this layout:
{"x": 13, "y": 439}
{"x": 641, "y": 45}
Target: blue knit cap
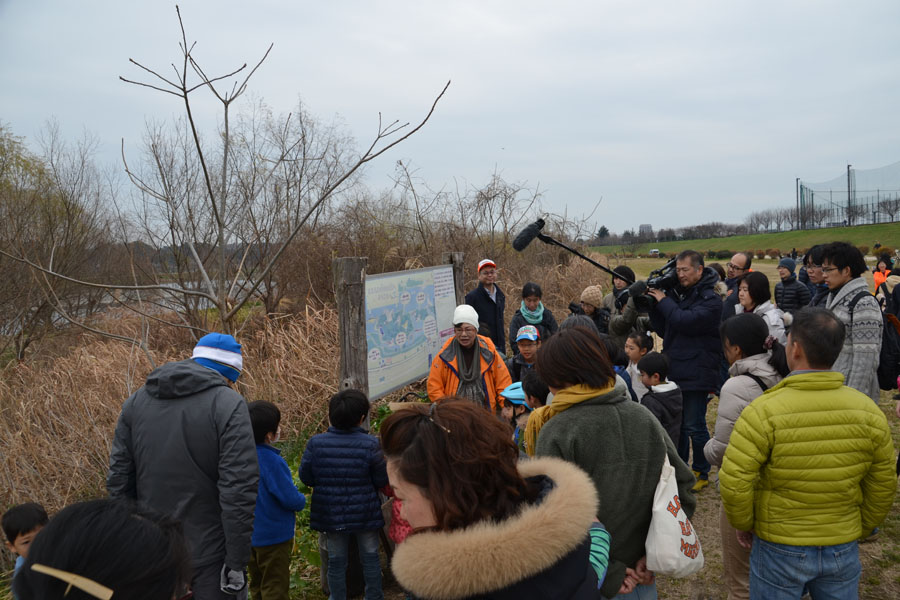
{"x": 220, "y": 352}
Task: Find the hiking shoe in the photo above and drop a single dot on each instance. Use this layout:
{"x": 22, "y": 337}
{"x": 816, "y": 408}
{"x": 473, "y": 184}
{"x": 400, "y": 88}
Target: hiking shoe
{"x": 701, "y": 483}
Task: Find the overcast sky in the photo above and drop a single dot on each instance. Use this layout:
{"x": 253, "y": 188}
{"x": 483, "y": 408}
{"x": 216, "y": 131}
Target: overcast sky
{"x": 673, "y": 113}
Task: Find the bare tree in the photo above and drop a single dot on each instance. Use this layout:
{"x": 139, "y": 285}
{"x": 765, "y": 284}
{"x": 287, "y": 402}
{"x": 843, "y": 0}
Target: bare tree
{"x": 229, "y": 209}
{"x": 890, "y": 207}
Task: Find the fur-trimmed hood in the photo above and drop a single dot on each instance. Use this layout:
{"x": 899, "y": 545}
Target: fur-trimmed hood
{"x": 490, "y": 556}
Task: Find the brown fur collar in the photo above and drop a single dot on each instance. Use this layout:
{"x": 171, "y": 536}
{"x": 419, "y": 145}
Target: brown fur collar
{"x": 490, "y": 556}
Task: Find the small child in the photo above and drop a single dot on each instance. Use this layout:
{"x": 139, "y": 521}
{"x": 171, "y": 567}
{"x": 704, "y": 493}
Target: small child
{"x": 620, "y": 364}
{"x": 276, "y": 502}
{"x": 516, "y": 411}
{"x": 346, "y": 468}
{"x": 636, "y": 346}
{"x": 664, "y": 397}
{"x": 536, "y": 391}
{"x": 20, "y": 524}
{"x": 528, "y": 340}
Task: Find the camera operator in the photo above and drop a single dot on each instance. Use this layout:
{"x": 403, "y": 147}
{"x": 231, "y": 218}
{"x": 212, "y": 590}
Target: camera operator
{"x": 688, "y": 317}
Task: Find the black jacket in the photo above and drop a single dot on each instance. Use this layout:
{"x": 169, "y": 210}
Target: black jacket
{"x": 546, "y": 327}
{"x": 790, "y": 294}
{"x": 821, "y": 295}
{"x": 667, "y": 406}
{"x": 688, "y": 320}
{"x": 490, "y": 313}
{"x": 184, "y": 447}
{"x": 517, "y": 366}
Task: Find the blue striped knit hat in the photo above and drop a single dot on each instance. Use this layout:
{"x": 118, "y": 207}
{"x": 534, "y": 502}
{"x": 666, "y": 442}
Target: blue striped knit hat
{"x": 220, "y": 352}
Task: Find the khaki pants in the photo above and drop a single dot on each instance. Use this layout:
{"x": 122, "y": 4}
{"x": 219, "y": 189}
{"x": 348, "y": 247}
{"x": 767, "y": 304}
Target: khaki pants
{"x": 270, "y": 571}
{"x": 736, "y": 560}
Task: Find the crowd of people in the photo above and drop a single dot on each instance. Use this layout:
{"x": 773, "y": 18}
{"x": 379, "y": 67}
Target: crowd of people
{"x": 532, "y": 470}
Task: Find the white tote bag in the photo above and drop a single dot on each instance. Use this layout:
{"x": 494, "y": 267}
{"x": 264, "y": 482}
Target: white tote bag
{"x": 672, "y": 545}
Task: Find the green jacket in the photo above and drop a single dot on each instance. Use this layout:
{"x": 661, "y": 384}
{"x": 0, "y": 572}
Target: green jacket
{"x": 809, "y": 463}
{"x": 621, "y": 445}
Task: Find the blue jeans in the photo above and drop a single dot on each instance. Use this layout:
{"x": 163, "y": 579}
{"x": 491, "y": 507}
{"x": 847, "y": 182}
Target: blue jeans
{"x": 780, "y": 572}
{"x": 641, "y": 592}
{"x": 338, "y": 545}
{"x": 693, "y": 429}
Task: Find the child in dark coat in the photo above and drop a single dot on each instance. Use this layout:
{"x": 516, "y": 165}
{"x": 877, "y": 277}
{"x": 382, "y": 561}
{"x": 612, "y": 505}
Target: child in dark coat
{"x": 663, "y": 397}
{"x": 346, "y": 468}
{"x": 276, "y": 502}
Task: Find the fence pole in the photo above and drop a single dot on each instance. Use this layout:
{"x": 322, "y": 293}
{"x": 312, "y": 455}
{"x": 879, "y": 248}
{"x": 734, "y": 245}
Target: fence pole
{"x": 350, "y": 297}
{"x": 456, "y": 259}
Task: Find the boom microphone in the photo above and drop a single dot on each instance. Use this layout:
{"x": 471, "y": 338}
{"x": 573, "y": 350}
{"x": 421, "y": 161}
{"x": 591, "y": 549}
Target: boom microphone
{"x": 527, "y": 235}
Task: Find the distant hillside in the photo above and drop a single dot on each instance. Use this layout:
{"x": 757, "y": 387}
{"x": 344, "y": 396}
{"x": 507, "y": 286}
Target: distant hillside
{"x": 863, "y": 235}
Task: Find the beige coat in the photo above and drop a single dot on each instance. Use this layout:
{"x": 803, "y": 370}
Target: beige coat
{"x": 736, "y": 394}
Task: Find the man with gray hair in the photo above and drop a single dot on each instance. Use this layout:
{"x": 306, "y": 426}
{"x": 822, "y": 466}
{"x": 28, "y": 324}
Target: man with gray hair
{"x": 809, "y": 470}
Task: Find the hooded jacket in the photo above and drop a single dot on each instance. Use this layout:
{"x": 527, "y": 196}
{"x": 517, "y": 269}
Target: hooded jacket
{"x": 773, "y": 317}
{"x": 810, "y": 463}
{"x": 443, "y": 379}
{"x": 665, "y": 402}
{"x": 736, "y": 394}
{"x": 859, "y": 356}
{"x": 540, "y": 553}
{"x": 688, "y": 320}
{"x": 621, "y": 446}
{"x": 184, "y": 446}
{"x": 790, "y": 294}
{"x": 623, "y": 322}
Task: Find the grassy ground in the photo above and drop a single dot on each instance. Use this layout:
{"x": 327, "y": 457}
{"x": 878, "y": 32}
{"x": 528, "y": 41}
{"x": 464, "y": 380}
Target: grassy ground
{"x": 886, "y": 233}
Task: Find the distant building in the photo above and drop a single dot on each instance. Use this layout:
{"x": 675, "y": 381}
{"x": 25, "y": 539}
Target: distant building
{"x": 645, "y": 231}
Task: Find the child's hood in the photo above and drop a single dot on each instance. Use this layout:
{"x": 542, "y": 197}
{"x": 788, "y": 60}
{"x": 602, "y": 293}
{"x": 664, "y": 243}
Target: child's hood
{"x": 180, "y": 379}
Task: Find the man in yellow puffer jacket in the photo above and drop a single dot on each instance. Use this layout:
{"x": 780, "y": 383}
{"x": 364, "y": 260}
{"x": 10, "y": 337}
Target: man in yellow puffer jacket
{"x": 809, "y": 470}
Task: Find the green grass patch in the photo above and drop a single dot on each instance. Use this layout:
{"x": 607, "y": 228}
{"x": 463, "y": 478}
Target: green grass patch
{"x": 888, "y": 234}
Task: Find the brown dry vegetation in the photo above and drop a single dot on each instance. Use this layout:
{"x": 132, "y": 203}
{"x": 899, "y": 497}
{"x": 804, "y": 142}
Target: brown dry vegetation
{"x": 58, "y": 410}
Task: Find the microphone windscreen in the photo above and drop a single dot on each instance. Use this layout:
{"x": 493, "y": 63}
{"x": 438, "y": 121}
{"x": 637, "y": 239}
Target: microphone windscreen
{"x": 528, "y": 234}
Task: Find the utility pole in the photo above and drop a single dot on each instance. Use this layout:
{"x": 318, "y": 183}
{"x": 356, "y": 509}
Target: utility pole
{"x": 849, "y": 199}
{"x": 799, "y": 224}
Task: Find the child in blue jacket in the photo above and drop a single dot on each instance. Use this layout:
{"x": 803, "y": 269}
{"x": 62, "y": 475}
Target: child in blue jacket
{"x": 346, "y": 468}
{"x": 276, "y": 502}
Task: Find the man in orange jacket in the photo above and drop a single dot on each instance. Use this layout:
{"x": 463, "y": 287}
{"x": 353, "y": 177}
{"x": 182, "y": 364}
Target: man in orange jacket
{"x": 468, "y": 365}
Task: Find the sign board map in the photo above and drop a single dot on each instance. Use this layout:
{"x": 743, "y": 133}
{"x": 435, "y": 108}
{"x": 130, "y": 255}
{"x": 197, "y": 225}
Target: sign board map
{"x": 409, "y": 316}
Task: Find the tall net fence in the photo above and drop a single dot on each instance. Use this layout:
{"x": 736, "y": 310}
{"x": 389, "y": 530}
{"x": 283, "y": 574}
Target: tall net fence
{"x": 857, "y": 197}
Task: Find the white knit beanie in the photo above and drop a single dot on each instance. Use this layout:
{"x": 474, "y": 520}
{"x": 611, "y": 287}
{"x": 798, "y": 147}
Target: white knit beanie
{"x": 465, "y": 314}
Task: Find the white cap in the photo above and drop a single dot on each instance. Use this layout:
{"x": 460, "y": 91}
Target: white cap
{"x": 465, "y": 314}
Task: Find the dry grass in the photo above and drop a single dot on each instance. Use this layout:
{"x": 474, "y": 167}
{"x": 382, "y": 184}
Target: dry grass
{"x": 58, "y": 413}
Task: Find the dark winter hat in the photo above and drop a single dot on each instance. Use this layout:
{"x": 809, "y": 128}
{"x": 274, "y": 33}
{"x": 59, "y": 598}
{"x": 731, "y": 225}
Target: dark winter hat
{"x": 788, "y": 263}
{"x": 532, "y": 289}
{"x": 626, "y": 272}
{"x": 219, "y": 352}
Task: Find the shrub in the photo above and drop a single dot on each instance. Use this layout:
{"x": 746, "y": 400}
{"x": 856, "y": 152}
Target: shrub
{"x": 886, "y": 250}
{"x": 760, "y": 253}
{"x": 864, "y": 249}
{"x": 724, "y": 254}
{"x": 710, "y": 254}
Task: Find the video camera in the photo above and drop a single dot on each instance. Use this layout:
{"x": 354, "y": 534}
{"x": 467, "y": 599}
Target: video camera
{"x": 664, "y": 278}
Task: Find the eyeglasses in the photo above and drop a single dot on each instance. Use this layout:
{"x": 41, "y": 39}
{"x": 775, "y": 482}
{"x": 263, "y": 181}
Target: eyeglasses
{"x": 88, "y": 586}
{"x": 465, "y": 330}
{"x": 830, "y": 269}
{"x": 735, "y": 267}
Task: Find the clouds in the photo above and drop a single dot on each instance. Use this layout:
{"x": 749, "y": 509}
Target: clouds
{"x": 690, "y": 110}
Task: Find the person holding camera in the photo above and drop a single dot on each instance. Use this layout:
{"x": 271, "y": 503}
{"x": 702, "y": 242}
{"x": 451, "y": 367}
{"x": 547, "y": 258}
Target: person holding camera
{"x": 687, "y": 316}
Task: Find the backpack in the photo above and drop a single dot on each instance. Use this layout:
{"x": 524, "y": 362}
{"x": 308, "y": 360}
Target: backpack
{"x": 887, "y": 300}
{"x": 889, "y": 358}
{"x": 758, "y": 380}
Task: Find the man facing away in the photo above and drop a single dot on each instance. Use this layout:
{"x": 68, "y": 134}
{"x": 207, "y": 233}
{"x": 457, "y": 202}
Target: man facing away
{"x": 687, "y": 317}
{"x": 184, "y": 446}
{"x": 489, "y": 302}
{"x": 808, "y": 471}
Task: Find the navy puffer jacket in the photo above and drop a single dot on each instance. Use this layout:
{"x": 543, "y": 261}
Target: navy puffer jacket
{"x": 791, "y": 295}
{"x": 346, "y": 469}
{"x": 689, "y": 323}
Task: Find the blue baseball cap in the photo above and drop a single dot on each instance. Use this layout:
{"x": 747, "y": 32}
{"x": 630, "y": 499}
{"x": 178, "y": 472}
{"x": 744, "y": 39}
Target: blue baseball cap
{"x": 515, "y": 394}
{"x": 528, "y": 332}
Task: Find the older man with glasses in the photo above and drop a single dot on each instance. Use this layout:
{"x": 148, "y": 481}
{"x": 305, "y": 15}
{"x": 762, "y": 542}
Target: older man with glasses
{"x": 734, "y": 270}
{"x": 468, "y": 365}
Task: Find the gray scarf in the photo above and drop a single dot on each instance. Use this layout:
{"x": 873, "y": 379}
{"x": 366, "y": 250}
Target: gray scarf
{"x": 470, "y": 386}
